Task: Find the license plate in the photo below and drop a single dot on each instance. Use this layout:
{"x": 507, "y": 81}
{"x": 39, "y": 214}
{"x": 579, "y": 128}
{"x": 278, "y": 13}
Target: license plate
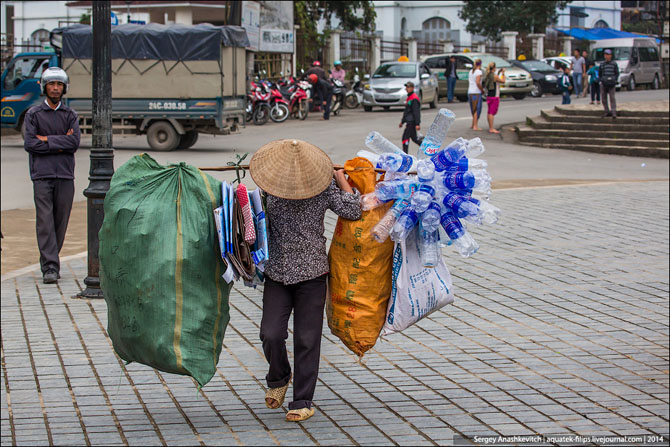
{"x": 521, "y": 85}
{"x": 383, "y": 96}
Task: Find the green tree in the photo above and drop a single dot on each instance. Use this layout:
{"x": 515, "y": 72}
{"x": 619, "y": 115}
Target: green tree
{"x": 490, "y": 18}
{"x": 352, "y": 15}
{"x": 85, "y": 18}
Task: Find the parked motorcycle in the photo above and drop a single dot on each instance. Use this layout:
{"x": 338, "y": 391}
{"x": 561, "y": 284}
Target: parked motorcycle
{"x": 297, "y": 93}
{"x": 279, "y": 110}
{"x": 354, "y": 97}
{"x": 258, "y": 106}
{"x": 338, "y": 96}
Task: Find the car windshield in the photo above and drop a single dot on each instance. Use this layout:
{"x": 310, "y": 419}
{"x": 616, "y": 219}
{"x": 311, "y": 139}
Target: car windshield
{"x": 488, "y": 58}
{"x": 537, "y": 66}
{"x": 619, "y": 53}
{"x": 396, "y": 71}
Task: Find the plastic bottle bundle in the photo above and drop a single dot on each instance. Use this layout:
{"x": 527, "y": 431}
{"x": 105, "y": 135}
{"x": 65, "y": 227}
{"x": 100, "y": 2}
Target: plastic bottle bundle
{"x": 451, "y": 186}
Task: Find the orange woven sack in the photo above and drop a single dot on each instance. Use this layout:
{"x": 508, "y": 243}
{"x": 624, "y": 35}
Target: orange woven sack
{"x": 360, "y": 270}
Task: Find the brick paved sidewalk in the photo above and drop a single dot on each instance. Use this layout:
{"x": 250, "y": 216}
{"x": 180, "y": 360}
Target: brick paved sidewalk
{"x": 560, "y": 326}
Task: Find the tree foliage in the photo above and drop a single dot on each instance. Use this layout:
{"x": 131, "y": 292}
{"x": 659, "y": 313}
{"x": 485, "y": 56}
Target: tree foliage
{"x": 490, "y": 18}
{"x": 354, "y": 15}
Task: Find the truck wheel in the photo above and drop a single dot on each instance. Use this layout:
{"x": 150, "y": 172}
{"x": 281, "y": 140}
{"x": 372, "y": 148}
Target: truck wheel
{"x": 188, "y": 139}
{"x": 162, "y": 136}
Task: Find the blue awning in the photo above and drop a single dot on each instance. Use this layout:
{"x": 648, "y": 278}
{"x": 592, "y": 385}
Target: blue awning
{"x": 600, "y": 34}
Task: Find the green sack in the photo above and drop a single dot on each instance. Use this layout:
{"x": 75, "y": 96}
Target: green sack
{"x": 160, "y": 268}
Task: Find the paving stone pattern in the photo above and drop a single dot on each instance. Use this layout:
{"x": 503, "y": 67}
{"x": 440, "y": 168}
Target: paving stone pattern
{"x": 560, "y": 326}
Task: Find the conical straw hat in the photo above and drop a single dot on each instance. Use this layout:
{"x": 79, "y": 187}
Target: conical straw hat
{"x": 291, "y": 169}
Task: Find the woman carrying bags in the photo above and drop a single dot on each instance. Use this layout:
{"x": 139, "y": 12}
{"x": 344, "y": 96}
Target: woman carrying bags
{"x": 492, "y": 85}
{"x": 475, "y": 90}
{"x": 298, "y": 178}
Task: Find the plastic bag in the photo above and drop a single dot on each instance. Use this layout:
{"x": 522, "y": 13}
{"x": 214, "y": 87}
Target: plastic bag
{"x": 416, "y": 291}
{"x": 360, "y": 270}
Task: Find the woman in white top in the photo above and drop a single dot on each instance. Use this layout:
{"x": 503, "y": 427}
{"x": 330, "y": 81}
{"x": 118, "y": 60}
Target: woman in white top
{"x": 475, "y": 90}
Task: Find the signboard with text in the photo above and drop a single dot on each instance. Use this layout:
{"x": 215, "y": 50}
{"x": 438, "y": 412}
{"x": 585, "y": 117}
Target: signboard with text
{"x": 251, "y": 22}
{"x": 276, "y": 30}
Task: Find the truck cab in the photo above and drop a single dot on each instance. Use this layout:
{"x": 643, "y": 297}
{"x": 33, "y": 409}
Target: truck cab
{"x": 20, "y": 85}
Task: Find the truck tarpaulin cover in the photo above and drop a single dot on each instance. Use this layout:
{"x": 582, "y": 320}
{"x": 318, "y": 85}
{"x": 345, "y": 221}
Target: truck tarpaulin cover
{"x": 156, "y": 41}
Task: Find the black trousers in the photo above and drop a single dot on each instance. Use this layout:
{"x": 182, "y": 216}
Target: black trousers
{"x": 409, "y": 133}
{"x": 306, "y": 299}
{"x": 53, "y": 203}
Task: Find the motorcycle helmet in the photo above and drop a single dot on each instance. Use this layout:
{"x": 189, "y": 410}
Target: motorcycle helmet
{"x": 313, "y": 78}
{"x": 316, "y": 64}
{"x": 54, "y": 74}
{"x": 336, "y": 63}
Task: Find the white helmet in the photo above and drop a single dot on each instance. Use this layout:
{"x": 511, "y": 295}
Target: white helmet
{"x": 54, "y": 74}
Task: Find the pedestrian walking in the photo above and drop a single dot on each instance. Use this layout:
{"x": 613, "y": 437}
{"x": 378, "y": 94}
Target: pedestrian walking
{"x": 609, "y": 76}
{"x": 586, "y": 88}
{"x": 338, "y": 73}
{"x": 451, "y": 76}
{"x": 564, "y": 85}
{"x": 411, "y": 118}
{"x": 51, "y": 139}
{"x": 324, "y": 91}
{"x": 298, "y": 178}
{"x": 578, "y": 71}
{"x": 594, "y": 82}
{"x": 475, "y": 90}
{"x": 492, "y": 83}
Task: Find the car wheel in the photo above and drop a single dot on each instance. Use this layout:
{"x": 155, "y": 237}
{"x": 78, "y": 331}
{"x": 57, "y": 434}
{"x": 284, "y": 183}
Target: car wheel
{"x": 537, "y": 90}
{"x": 367, "y": 108}
{"x": 631, "y": 83}
{"x": 433, "y": 103}
{"x": 656, "y": 84}
{"x": 519, "y": 96}
{"x": 162, "y": 136}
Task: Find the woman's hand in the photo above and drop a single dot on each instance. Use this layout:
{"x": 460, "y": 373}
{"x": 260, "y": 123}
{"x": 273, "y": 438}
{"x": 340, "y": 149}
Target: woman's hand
{"x": 341, "y": 180}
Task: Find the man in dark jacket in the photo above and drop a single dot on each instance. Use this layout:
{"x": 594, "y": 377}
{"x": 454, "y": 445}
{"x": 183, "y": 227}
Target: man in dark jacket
{"x": 451, "y": 76}
{"x": 411, "y": 117}
{"x": 321, "y": 73}
{"x": 609, "y": 76}
{"x": 51, "y": 139}
{"x": 324, "y": 91}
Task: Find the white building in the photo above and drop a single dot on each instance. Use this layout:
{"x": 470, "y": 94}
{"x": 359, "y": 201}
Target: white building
{"x": 30, "y": 22}
{"x": 432, "y": 21}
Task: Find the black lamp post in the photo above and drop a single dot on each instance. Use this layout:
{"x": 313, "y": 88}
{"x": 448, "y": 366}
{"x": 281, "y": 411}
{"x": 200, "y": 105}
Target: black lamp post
{"x": 102, "y": 153}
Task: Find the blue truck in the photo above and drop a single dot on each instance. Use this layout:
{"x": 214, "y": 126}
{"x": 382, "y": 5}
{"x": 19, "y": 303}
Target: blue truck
{"x": 169, "y": 82}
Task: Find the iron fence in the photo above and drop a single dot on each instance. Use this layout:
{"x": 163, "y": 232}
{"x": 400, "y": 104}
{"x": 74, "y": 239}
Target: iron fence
{"x": 356, "y": 52}
{"x": 497, "y": 50}
{"x": 392, "y": 50}
{"x": 428, "y": 48}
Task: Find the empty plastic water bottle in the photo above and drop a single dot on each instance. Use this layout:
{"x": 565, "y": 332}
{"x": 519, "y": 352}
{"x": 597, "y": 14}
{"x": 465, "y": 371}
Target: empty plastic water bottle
{"x": 430, "y": 219}
{"x": 381, "y": 231}
{"x": 429, "y": 244}
{"x": 432, "y": 142}
{"x": 370, "y": 201}
{"x": 406, "y": 221}
{"x": 456, "y": 150}
{"x": 467, "y": 180}
{"x": 421, "y": 199}
{"x": 490, "y": 213}
{"x": 425, "y": 170}
{"x": 467, "y": 164}
{"x": 459, "y": 205}
{"x": 395, "y": 189}
{"x": 377, "y": 143}
{"x": 390, "y": 161}
{"x": 459, "y": 236}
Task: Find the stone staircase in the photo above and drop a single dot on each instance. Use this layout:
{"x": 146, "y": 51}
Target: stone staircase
{"x": 641, "y": 129}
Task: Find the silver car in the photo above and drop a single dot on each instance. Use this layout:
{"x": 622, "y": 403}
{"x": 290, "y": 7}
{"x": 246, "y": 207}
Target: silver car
{"x": 386, "y": 88}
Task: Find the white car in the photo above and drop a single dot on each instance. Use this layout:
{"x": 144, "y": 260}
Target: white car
{"x": 386, "y": 87}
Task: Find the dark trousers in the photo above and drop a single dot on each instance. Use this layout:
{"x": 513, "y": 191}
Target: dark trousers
{"x": 451, "y": 84}
{"x": 326, "y": 108}
{"x": 566, "y": 97}
{"x": 605, "y": 93}
{"x": 53, "y": 203}
{"x": 409, "y": 134}
{"x": 595, "y": 91}
{"x": 306, "y": 299}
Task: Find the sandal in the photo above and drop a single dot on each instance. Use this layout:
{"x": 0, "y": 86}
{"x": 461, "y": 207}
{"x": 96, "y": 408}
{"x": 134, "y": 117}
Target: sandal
{"x": 276, "y": 394}
{"x": 300, "y": 414}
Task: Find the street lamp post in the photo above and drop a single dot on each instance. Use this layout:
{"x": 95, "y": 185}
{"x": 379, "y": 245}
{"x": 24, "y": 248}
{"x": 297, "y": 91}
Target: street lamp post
{"x": 102, "y": 153}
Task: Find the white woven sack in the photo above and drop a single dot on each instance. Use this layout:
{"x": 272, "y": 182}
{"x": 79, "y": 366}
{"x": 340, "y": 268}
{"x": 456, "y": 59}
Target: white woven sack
{"x": 416, "y": 291}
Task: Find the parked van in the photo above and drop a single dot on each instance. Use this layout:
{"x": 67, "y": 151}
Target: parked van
{"x": 637, "y": 58}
